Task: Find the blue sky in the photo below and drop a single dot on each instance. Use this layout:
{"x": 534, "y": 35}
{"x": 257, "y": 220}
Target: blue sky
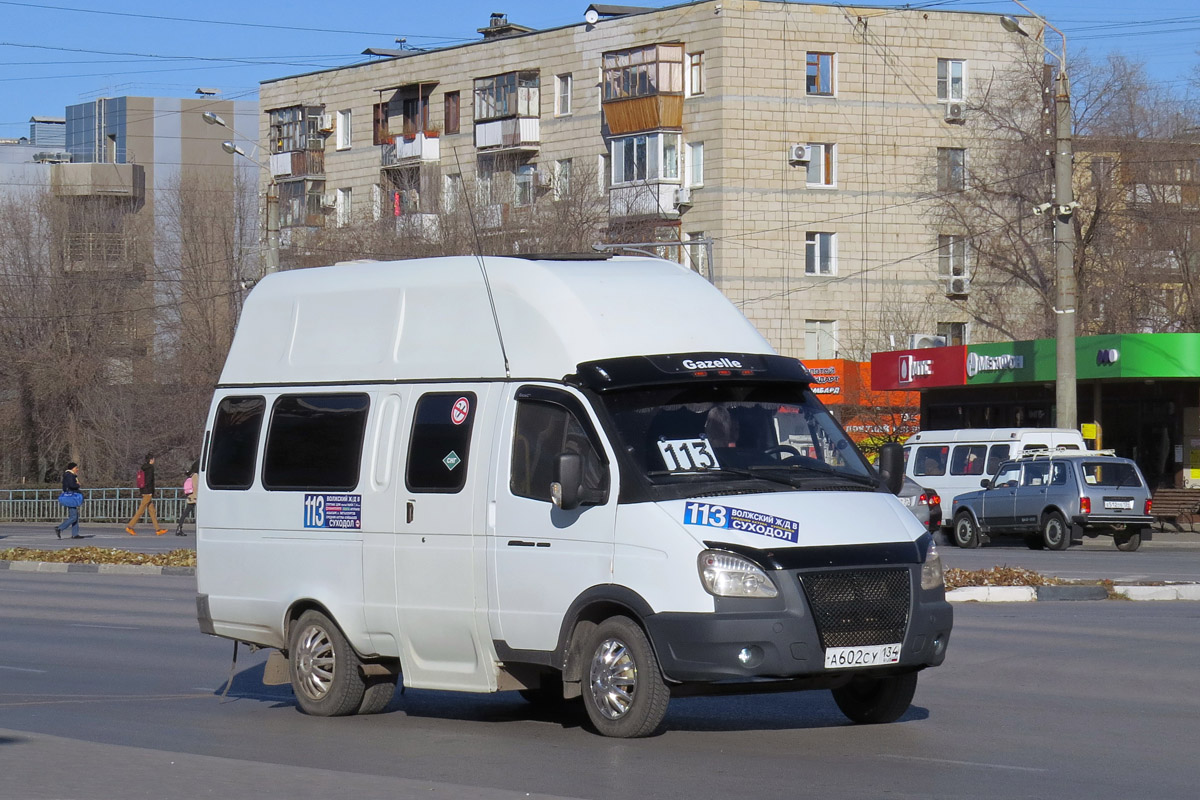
{"x": 54, "y": 53}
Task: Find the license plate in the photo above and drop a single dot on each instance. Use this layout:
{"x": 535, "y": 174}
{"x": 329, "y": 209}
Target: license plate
{"x": 1118, "y": 504}
{"x": 846, "y": 657}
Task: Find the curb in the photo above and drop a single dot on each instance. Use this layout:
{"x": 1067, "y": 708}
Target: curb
{"x": 100, "y": 569}
{"x": 1023, "y": 594}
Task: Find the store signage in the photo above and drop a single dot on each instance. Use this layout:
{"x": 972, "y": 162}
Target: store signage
{"x": 978, "y": 362}
{"x": 912, "y": 367}
{"x": 918, "y": 369}
{"x": 1107, "y": 357}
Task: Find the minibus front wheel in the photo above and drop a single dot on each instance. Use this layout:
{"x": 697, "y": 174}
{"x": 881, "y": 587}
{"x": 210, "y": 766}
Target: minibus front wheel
{"x": 625, "y": 695}
{"x": 325, "y": 670}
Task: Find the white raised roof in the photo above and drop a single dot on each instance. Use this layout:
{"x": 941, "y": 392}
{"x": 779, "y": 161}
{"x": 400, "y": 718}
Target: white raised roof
{"x": 430, "y": 319}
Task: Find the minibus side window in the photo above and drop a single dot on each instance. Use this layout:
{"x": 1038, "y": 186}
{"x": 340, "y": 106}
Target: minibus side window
{"x": 542, "y": 432}
{"x": 234, "y": 445}
{"x": 968, "y": 459}
{"x": 440, "y": 445}
{"x": 997, "y": 455}
{"x": 931, "y": 460}
{"x": 315, "y": 442}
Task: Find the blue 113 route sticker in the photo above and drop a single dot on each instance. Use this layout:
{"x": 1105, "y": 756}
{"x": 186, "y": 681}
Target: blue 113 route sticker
{"x": 740, "y": 519}
{"x": 343, "y": 511}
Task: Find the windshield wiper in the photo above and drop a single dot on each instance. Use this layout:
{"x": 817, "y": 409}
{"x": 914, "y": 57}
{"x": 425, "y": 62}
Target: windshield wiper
{"x": 823, "y": 469}
{"x": 744, "y": 473}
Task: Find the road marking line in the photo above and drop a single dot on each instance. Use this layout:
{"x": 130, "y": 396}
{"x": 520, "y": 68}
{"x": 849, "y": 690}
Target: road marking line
{"x": 21, "y": 669}
{"x": 966, "y": 763}
{"x": 109, "y": 627}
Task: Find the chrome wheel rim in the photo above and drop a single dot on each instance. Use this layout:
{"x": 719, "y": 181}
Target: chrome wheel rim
{"x": 315, "y": 662}
{"x": 613, "y": 679}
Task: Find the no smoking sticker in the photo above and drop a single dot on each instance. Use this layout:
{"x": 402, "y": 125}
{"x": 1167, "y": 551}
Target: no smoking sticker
{"x": 458, "y": 414}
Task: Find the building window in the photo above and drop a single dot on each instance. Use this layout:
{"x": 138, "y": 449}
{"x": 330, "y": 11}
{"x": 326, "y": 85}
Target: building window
{"x": 603, "y": 172}
{"x": 820, "y": 338}
{"x": 951, "y": 79}
{"x": 695, "y": 74}
{"x": 645, "y": 157}
{"x": 951, "y": 169}
{"x": 562, "y": 178}
{"x": 562, "y": 95}
{"x": 952, "y": 256}
{"x": 440, "y": 444}
{"x": 526, "y": 183}
{"x": 300, "y": 203}
{"x": 696, "y": 252}
{"x": 820, "y": 164}
{"x": 342, "y": 207}
{"x": 452, "y": 191}
{"x": 343, "y": 129}
{"x": 235, "y": 442}
{"x": 314, "y": 442}
{"x": 1102, "y": 168}
{"x": 294, "y": 128}
{"x": 451, "y": 112}
{"x": 820, "y": 257}
{"x": 643, "y": 72}
{"x": 695, "y": 164}
{"x": 513, "y": 94}
{"x": 379, "y": 124}
{"x": 818, "y": 71}
{"x": 955, "y": 333}
{"x": 377, "y": 202}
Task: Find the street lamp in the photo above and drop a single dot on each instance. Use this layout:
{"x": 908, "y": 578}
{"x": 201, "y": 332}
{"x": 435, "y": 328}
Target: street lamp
{"x": 272, "y": 256}
{"x": 1064, "y": 236}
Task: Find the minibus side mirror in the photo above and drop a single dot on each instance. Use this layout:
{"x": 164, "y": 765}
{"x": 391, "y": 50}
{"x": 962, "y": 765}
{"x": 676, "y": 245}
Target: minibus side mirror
{"x": 891, "y": 466}
{"x": 567, "y": 489}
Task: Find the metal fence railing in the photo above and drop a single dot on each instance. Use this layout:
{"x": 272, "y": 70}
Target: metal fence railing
{"x": 99, "y": 505}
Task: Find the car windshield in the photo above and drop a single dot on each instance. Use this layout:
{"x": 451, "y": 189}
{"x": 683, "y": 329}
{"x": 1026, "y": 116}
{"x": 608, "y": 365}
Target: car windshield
{"x": 1110, "y": 473}
{"x": 777, "y": 433}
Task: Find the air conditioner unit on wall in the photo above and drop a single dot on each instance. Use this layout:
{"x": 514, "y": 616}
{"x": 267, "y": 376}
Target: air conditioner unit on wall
{"x": 917, "y": 341}
{"x": 799, "y": 154}
{"x": 329, "y": 201}
{"x": 956, "y": 112}
{"x": 958, "y": 286}
{"x": 683, "y": 196}
{"x": 325, "y": 123}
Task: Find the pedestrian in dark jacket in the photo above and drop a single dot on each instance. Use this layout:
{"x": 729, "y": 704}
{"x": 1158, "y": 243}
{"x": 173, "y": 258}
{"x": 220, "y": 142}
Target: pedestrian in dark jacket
{"x": 147, "y": 504}
{"x": 70, "y": 484}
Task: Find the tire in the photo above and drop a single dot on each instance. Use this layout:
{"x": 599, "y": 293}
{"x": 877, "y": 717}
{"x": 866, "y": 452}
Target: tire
{"x": 1128, "y": 541}
{"x": 325, "y": 670}
{"x": 625, "y": 695}
{"x": 1055, "y": 533}
{"x": 377, "y": 695}
{"x": 1034, "y": 541}
{"x": 966, "y": 532}
{"x": 873, "y": 701}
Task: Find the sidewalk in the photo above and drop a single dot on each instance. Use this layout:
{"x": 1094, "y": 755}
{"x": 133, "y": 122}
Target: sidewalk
{"x": 40, "y": 536}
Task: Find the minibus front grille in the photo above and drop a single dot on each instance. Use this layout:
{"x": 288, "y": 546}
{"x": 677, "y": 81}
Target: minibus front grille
{"x": 859, "y": 607}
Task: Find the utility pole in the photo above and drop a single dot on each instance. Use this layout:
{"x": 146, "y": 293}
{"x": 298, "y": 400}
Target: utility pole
{"x": 1065, "y": 400}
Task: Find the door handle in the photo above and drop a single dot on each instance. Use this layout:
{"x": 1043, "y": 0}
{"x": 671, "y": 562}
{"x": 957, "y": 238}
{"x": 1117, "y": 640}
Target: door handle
{"x": 408, "y": 512}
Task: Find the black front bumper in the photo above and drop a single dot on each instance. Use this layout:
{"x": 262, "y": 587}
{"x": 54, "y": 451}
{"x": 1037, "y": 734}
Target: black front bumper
{"x": 781, "y": 637}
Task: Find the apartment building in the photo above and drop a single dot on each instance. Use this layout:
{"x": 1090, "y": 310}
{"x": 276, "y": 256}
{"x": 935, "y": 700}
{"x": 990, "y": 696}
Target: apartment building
{"x": 802, "y": 140}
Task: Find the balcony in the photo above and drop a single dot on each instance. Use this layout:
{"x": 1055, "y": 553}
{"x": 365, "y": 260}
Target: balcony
{"x": 122, "y": 181}
{"x": 643, "y": 114}
{"x": 409, "y": 151}
{"x": 644, "y": 200}
{"x": 298, "y": 164}
{"x": 424, "y": 226}
{"x": 514, "y": 134}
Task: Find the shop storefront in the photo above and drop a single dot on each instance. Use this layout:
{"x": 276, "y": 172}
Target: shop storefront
{"x": 870, "y": 417}
{"x": 1138, "y": 394}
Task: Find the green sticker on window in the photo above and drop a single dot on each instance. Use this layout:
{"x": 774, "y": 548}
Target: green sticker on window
{"x": 451, "y": 460}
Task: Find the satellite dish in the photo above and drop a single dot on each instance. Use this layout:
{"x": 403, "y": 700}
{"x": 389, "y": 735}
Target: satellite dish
{"x": 591, "y": 17}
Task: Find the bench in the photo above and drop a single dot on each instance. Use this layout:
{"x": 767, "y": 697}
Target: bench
{"x": 1175, "y": 504}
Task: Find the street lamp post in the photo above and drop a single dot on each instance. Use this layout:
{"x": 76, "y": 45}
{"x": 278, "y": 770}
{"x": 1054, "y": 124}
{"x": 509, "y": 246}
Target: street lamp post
{"x": 1064, "y": 235}
{"x": 271, "y": 260}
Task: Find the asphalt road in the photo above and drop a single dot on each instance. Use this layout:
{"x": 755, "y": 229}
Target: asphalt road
{"x": 107, "y": 690}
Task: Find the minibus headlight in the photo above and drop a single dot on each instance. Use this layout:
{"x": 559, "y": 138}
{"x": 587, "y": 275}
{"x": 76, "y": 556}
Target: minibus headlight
{"x": 728, "y": 575}
{"x": 931, "y": 571}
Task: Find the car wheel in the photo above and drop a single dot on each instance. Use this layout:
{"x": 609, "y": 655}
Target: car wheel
{"x": 966, "y": 532}
{"x": 625, "y": 696}
{"x": 1128, "y": 541}
{"x": 325, "y": 670}
{"x": 1034, "y": 541}
{"x": 1055, "y": 533}
{"x": 377, "y": 694}
{"x": 871, "y": 701}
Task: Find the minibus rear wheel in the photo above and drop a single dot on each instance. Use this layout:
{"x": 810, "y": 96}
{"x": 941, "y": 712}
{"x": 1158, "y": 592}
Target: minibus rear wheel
{"x": 625, "y": 695}
{"x": 871, "y": 701}
{"x": 326, "y": 672}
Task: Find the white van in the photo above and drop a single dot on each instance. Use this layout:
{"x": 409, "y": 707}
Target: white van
{"x": 955, "y": 461}
{"x": 560, "y": 477}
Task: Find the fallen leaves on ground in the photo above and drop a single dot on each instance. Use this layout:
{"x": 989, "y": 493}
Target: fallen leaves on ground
{"x": 999, "y": 576}
{"x": 100, "y": 555}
